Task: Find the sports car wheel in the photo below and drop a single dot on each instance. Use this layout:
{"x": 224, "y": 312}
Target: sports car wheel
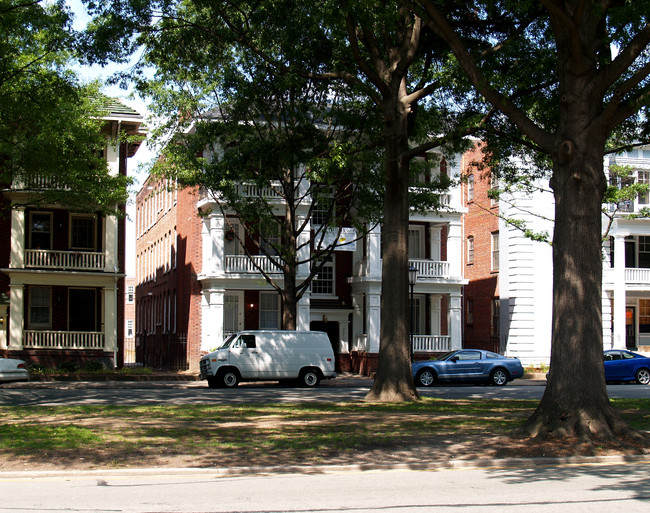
{"x": 425, "y": 378}
{"x": 499, "y": 377}
{"x": 643, "y": 376}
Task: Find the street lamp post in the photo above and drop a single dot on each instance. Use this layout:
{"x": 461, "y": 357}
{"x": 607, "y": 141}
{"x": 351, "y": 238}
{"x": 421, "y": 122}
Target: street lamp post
{"x": 413, "y": 278}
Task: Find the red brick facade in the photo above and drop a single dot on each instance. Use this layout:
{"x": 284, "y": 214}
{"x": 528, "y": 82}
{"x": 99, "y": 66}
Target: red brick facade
{"x": 480, "y": 223}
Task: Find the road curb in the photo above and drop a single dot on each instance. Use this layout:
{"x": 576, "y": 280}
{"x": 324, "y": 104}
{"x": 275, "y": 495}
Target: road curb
{"x": 507, "y": 463}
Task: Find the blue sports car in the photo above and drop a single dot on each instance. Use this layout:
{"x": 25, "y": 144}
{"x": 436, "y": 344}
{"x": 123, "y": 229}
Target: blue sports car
{"x": 622, "y": 365}
{"x": 467, "y": 366}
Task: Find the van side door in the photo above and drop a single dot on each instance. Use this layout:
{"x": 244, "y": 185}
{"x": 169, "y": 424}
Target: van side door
{"x": 249, "y": 358}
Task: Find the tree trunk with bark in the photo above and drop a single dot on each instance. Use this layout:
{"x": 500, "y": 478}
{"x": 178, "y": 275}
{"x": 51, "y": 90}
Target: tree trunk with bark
{"x": 394, "y": 380}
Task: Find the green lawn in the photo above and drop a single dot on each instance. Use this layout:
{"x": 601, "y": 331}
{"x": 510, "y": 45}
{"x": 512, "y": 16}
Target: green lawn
{"x": 191, "y": 435}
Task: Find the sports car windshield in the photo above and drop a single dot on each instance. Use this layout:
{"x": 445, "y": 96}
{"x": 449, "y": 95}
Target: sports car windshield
{"x": 445, "y": 356}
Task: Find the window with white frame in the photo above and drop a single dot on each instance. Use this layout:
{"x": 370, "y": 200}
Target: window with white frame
{"x": 323, "y": 283}
{"x": 40, "y": 307}
{"x": 495, "y": 251}
{"x": 470, "y": 188}
{"x": 470, "y": 249}
{"x": 83, "y": 232}
{"x": 269, "y": 310}
{"x": 130, "y": 294}
{"x": 416, "y": 241}
{"x": 40, "y": 230}
{"x": 130, "y": 331}
{"x": 323, "y": 207}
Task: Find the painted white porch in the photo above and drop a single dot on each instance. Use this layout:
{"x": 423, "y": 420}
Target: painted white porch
{"x": 44, "y": 339}
{"x": 72, "y": 260}
{"x": 421, "y": 343}
{"x": 245, "y": 264}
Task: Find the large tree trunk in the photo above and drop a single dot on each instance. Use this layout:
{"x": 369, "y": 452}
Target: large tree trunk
{"x": 575, "y": 402}
{"x": 394, "y": 381}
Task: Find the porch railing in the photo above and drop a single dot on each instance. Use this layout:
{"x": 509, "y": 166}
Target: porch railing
{"x": 75, "y": 260}
{"x": 245, "y": 264}
{"x": 42, "y": 339}
{"x": 254, "y": 191}
{"x": 430, "y": 268}
{"x": 637, "y": 275}
{"x": 431, "y": 343}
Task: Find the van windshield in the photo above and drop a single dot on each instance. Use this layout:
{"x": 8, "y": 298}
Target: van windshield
{"x": 228, "y": 341}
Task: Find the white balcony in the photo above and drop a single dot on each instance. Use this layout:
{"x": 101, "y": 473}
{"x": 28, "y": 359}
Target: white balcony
{"x": 65, "y": 260}
{"x": 427, "y": 269}
{"x": 252, "y": 264}
{"x": 42, "y": 339}
{"x": 431, "y": 343}
{"x": 637, "y": 275}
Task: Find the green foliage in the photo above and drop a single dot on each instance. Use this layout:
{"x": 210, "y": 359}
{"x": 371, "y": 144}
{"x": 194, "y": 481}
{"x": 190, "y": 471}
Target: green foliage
{"x": 50, "y": 126}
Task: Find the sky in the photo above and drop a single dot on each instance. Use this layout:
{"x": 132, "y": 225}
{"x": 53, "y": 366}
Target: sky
{"x": 143, "y": 155}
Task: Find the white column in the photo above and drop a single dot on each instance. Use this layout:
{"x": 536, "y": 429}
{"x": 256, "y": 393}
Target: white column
{"x": 18, "y": 235}
{"x": 110, "y": 320}
{"x": 455, "y": 331}
{"x": 304, "y": 312}
{"x": 212, "y": 308}
{"x": 455, "y": 249}
{"x": 16, "y": 316}
{"x": 304, "y": 305}
{"x": 373, "y": 253}
{"x": 435, "y": 312}
{"x": 619, "y": 292}
{"x": 111, "y": 238}
{"x": 373, "y": 304}
{"x": 212, "y": 235}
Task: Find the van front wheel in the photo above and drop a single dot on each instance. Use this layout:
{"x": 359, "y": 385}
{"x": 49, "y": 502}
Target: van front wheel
{"x": 309, "y": 378}
{"x": 229, "y": 379}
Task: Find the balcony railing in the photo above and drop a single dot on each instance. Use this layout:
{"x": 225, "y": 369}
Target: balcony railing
{"x": 430, "y": 268}
{"x": 427, "y": 269}
{"x": 253, "y": 191}
{"x": 69, "y": 260}
{"x": 246, "y": 264}
{"x": 42, "y": 339}
{"x": 431, "y": 343}
{"x": 637, "y": 275}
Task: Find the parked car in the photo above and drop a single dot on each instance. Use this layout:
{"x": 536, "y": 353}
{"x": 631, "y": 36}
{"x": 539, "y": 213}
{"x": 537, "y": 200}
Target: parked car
{"x": 467, "y": 366}
{"x": 12, "y": 369}
{"x": 623, "y": 365}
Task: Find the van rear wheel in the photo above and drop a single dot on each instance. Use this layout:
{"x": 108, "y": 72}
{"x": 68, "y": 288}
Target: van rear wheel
{"x": 309, "y": 378}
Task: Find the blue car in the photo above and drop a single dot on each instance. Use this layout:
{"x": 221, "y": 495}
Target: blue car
{"x": 467, "y": 366}
{"x": 623, "y": 365}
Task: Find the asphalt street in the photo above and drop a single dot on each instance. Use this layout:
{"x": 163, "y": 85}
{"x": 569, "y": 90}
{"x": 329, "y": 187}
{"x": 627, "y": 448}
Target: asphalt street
{"x": 196, "y": 392}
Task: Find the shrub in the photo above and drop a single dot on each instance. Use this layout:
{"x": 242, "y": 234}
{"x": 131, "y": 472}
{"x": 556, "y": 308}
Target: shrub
{"x": 94, "y": 366}
{"x": 69, "y": 367}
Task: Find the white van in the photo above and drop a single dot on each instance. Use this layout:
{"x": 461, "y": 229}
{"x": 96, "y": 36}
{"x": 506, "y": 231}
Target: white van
{"x": 270, "y": 355}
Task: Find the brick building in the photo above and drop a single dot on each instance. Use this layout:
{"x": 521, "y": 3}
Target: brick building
{"x": 480, "y": 257}
{"x": 62, "y": 271}
{"x": 195, "y": 285}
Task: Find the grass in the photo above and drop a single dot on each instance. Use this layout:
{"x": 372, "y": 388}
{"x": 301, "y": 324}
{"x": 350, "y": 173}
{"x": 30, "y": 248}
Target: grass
{"x": 202, "y": 435}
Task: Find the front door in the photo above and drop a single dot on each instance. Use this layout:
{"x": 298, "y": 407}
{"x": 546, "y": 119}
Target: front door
{"x": 630, "y": 327}
{"x": 82, "y": 310}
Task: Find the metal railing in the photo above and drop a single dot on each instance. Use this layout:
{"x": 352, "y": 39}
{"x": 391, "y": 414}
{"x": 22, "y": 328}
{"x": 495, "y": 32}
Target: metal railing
{"x": 76, "y": 260}
{"x": 44, "y": 339}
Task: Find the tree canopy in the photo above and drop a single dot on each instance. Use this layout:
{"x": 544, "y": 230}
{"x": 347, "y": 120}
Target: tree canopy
{"x": 50, "y": 124}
